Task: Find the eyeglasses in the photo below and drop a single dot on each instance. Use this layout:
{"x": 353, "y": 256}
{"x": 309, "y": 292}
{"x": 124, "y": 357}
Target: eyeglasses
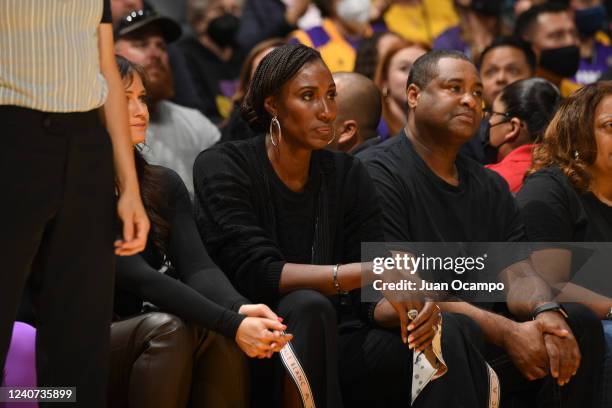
{"x": 488, "y": 114}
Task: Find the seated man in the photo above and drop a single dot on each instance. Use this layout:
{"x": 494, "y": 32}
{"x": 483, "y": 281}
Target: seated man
{"x": 359, "y": 108}
{"x": 176, "y": 134}
{"x": 430, "y": 194}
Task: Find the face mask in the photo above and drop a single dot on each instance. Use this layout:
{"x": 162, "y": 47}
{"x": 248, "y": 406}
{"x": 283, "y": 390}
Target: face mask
{"x": 222, "y": 30}
{"x": 491, "y": 152}
{"x": 562, "y": 61}
{"x": 357, "y": 11}
{"x": 590, "y": 20}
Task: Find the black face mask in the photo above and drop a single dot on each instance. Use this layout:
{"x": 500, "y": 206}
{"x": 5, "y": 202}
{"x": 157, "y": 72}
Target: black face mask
{"x": 491, "y": 152}
{"x": 562, "y": 61}
{"x": 222, "y": 30}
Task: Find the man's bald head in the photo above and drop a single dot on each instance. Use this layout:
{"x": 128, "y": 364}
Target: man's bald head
{"x": 359, "y": 109}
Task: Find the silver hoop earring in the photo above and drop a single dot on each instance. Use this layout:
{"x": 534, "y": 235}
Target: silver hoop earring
{"x": 576, "y": 155}
{"x": 276, "y": 123}
{"x": 333, "y": 136}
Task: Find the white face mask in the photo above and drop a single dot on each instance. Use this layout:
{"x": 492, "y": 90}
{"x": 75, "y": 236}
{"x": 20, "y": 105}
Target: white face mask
{"x": 354, "y": 10}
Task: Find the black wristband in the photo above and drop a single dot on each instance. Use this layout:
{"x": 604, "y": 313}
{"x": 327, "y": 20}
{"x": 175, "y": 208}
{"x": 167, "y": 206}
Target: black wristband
{"x": 547, "y": 307}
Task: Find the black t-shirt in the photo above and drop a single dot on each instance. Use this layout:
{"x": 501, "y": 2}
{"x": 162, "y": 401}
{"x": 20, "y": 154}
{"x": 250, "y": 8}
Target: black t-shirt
{"x": 296, "y": 215}
{"x": 420, "y": 206}
{"x": 554, "y": 211}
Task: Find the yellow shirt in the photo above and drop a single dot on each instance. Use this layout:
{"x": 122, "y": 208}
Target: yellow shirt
{"x": 422, "y": 22}
{"x": 338, "y": 53}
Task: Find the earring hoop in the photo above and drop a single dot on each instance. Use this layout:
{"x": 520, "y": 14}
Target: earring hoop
{"x": 576, "y": 155}
{"x": 275, "y": 123}
{"x": 333, "y": 136}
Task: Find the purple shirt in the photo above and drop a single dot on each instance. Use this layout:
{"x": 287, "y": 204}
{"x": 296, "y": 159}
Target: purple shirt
{"x": 590, "y": 69}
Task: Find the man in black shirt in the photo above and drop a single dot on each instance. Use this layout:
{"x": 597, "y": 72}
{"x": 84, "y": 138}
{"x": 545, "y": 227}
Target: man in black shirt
{"x": 430, "y": 194}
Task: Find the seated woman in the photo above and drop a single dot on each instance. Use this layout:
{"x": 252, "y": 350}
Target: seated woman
{"x": 159, "y": 359}
{"x": 285, "y": 219}
{"x": 567, "y": 197}
{"x": 518, "y": 119}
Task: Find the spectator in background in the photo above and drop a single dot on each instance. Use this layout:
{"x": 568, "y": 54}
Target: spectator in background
{"x": 359, "y": 107}
{"x": 418, "y": 20}
{"x": 345, "y": 25}
{"x": 551, "y": 31}
{"x": 184, "y": 88}
{"x": 213, "y": 55}
{"x": 176, "y": 134}
{"x": 372, "y": 49}
{"x": 391, "y": 76}
{"x": 236, "y": 128}
{"x": 503, "y": 62}
{"x": 479, "y": 24}
{"x": 265, "y": 19}
{"x": 595, "y": 49}
{"x": 517, "y": 119}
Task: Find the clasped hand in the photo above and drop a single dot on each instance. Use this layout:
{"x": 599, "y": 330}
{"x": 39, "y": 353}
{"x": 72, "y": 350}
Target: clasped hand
{"x": 544, "y": 345}
{"x": 261, "y": 333}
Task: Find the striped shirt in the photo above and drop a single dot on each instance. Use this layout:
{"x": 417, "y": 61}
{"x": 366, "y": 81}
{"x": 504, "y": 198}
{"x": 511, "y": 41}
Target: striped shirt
{"x": 49, "y": 54}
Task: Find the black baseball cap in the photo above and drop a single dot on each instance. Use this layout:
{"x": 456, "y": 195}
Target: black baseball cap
{"x": 136, "y": 20}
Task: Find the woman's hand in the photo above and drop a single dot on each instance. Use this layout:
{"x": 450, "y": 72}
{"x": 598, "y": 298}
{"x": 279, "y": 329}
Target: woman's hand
{"x": 259, "y": 310}
{"x": 135, "y": 224}
{"x": 261, "y": 337}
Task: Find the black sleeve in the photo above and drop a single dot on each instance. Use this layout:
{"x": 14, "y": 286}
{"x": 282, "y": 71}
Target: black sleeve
{"x": 545, "y": 208}
{"x": 391, "y": 200}
{"x": 362, "y": 220}
{"x": 229, "y": 226}
{"x": 187, "y": 253}
{"x": 362, "y": 223}
{"x": 135, "y": 276}
{"x": 107, "y": 17}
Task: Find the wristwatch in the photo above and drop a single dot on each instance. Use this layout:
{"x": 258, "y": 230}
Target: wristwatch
{"x": 609, "y": 314}
{"x": 547, "y": 307}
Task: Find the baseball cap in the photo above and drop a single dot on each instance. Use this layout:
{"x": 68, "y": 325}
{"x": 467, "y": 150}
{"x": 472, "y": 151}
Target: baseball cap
{"x": 139, "y": 19}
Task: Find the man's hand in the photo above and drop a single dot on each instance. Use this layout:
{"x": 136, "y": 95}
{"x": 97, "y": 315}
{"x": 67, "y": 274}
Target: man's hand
{"x": 422, "y": 327}
{"x": 561, "y": 346}
{"x": 135, "y": 224}
{"x": 524, "y": 344}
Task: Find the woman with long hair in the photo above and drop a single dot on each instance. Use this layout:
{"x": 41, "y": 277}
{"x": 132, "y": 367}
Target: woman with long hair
{"x": 516, "y": 122}
{"x": 391, "y": 78}
{"x": 567, "y": 197}
{"x": 167, "y": 358}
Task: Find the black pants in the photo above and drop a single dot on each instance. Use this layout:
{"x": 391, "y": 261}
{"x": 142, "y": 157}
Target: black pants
{"x": 312, "y": 319}
{"x": 580, "y": 392}
{"x": 57, "y": 223}
{"x": 376, "y": 368}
